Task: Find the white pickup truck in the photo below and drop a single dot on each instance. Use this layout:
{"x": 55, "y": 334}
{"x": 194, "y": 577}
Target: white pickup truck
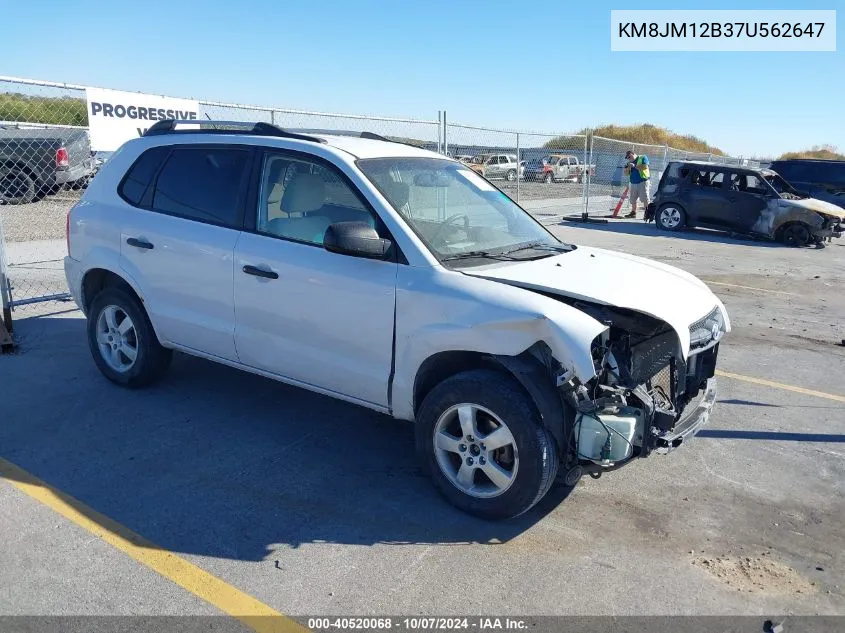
{"x": 558, "y": 168}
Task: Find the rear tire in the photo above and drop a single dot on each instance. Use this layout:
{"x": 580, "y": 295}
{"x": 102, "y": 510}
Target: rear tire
{"x": 122, "y": 340}
{"x": 479, "y": 422}
{"x": 17, "y": 186}
{"x": 670, "y": 217}
{"x": 795, "y": 234}
{"x": 548, "y": 179}
{"x": 510, "y": 176}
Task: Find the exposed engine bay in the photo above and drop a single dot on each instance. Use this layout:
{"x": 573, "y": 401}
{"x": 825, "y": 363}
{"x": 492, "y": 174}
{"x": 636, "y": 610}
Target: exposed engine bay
{"x": 645, "y": 393}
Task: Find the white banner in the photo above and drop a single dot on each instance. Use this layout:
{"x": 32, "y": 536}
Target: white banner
{"x": 115, "y": 117}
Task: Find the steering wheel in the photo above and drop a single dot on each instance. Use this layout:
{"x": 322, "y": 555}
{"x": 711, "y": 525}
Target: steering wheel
{"x": 448, "y": 222}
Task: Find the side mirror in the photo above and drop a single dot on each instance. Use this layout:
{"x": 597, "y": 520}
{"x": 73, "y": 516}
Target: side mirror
{"x": 358, "y": 239}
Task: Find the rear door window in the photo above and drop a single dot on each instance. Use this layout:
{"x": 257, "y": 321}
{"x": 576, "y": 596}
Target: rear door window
{"x": 748, "y": 183}
{"x": 140, "y": 175}
{"x": 203, "y": 183}
{"x": 708, "y": 179}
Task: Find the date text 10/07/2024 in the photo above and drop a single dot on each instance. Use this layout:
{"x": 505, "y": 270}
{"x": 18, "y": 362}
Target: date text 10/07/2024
{"x": 417, "y": 624}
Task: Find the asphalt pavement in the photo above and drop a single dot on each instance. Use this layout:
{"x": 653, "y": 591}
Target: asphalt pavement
{"x": 313, "y": 506}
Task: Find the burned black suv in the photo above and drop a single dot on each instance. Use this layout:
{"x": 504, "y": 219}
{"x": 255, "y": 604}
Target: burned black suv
{"x": 756, "y": 202}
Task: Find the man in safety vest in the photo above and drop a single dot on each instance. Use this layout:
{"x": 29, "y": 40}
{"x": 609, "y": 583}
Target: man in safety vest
{"x": 638, "y": 189}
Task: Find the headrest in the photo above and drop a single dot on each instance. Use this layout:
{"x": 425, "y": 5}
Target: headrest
{"x": 306, "y": 192}
{"x": 397, "y": 192}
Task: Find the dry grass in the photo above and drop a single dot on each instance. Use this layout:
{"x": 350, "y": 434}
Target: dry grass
{"x": 826, "y": 152}
{"x": 648, "y": 134}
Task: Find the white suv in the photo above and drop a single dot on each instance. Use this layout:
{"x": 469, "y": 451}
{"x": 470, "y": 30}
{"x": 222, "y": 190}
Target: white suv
{"x": 399, "y": 280}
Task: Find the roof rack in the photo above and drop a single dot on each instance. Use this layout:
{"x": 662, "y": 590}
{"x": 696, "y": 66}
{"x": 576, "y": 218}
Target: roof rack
{"x": 353, "y": 133}
{"x": 195, "y": 126}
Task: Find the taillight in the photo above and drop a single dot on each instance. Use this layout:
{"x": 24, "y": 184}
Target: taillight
{"x": 62, "y": 158}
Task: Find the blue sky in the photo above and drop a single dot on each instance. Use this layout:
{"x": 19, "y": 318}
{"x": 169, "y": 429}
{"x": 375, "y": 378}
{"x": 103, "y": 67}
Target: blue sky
{"x": 537, "y": 66}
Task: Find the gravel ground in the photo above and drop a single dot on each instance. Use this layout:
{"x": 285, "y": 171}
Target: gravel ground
{"x": 42, "y": 220}
{"x": 540, "y": 190}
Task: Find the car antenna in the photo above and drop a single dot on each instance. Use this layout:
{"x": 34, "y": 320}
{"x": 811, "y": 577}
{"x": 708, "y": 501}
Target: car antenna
{"x": 214, "y": 127}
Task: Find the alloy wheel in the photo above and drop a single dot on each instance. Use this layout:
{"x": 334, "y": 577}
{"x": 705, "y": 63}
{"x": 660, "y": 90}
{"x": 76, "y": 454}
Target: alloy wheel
{"x": 475, "y": 450}
{"x": 670, "y": 217}
{"x": 117, "y": 338}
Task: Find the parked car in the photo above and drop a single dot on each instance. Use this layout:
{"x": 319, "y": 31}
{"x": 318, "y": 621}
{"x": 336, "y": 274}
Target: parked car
{"x": 743, "y": 200}
{"x": 35, "y": 161}
{"x": 558, "y": 168}
{"x": 493, "y": 166}
{"x": 421, "y": 292}
{"x": 820, "y": 179}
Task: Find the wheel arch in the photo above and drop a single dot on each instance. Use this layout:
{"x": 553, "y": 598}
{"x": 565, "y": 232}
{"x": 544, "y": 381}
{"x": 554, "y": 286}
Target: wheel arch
{"x": 99, "y": 278}
{"x": 530, "y": 369}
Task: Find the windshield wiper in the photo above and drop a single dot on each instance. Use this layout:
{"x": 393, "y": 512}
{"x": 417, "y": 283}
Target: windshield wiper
{"x": 542, "y": 246}
{"x": 479, "y": 255}
{"x": 506, "y": 255}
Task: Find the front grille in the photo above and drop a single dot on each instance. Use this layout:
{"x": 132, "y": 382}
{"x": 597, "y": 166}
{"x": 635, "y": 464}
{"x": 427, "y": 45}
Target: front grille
{"x": 661, "y": 388}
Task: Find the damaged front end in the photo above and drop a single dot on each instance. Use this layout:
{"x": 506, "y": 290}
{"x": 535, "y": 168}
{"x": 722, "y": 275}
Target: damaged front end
{"x": 647, "y": 396}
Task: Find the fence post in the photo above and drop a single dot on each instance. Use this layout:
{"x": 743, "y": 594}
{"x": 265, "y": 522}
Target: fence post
{"x": 273, "y": 117}
{"x": 517, "y": 167}
{"x": 439, "y": 132}
{"x": 445, "y": 136}
{"x": 585, "y": 181}
{"x": 587, "y": 188}
{"x": 5, "y": 295}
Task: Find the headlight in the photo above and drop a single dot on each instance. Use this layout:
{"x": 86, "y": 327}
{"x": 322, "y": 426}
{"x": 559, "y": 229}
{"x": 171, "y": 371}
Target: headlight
{"x": 707, "y": 330}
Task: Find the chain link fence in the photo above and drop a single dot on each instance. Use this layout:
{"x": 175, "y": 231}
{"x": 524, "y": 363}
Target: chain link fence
{"x": 46, "y": 161}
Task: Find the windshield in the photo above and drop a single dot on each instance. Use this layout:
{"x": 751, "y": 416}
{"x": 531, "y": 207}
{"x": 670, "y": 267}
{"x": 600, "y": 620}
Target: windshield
{"x": 780, "y": 185}
{"x": 457, "y": 213}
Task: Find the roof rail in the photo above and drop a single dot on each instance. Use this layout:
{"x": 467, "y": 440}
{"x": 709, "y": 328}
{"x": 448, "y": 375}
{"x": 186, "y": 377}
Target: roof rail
{"x": 353, "y": 133}
{"x": 168, "y": 126}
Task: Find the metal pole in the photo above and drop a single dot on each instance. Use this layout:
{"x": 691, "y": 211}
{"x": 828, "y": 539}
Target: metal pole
{"x": 445, "y": 135}
{"x": 5, "y": 294}
{"x": 517, "y": 167}
{"x": 273, "y": 117}
{"x": 439, "y": 132}
{"x": 585, "y": 180}
{"x": 587, "y": 188}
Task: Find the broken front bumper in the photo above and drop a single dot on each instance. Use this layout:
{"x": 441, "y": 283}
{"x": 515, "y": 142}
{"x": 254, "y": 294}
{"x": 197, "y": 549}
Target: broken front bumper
{"x": 691, "y": 421}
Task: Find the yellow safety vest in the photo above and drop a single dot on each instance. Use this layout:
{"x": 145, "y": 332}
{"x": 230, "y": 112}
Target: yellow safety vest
{"x": 644, "y": 174}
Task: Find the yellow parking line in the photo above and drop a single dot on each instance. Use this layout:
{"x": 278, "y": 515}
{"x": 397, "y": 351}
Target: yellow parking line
{"x": 254, "y": 614}
{"x": 780, "y": 385}
{"x": 777, "y": 292}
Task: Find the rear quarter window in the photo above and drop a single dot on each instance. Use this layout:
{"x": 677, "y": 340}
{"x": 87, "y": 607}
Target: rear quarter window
{"x": 140, "y": 175}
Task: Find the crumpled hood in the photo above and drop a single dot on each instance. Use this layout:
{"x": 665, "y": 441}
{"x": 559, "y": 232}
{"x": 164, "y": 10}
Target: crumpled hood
{"x": 615, "y": 279}
{"x": 819, "y": 206}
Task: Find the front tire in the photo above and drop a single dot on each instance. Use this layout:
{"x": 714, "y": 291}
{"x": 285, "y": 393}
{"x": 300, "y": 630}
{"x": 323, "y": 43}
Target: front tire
{"x": 548, "y": 179}
{"x": 796, "y": 234}
{"x": 670, "y": 217}
{"x": 122, "y": 340}
{"x": 510, "y": 176}
{"x": 484, "y": 446}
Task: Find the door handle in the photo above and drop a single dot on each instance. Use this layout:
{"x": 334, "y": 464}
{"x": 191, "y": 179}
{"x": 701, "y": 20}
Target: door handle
{"x": 260, "y": 272}
{"x": 134, "y": 241}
